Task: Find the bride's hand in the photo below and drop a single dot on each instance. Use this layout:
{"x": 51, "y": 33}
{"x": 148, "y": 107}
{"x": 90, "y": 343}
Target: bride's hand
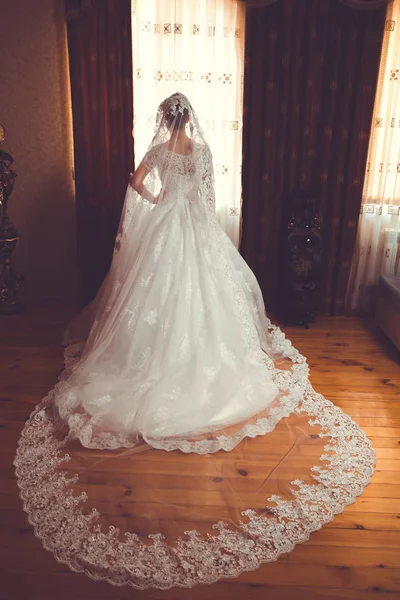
{"x": 161, "y": 196}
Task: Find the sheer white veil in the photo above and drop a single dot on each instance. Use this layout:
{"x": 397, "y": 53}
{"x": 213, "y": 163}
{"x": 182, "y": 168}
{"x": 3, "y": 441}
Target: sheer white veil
{"x": 174, "y": 115}
{"x": 90, "y": 337}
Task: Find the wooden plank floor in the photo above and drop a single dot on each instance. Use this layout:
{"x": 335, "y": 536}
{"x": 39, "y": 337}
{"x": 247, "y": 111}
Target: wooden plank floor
{"x": 357, "y": 556}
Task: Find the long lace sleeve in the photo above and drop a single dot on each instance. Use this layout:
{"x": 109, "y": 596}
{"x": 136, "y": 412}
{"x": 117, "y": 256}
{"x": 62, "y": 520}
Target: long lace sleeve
{"x": 207, "y": 179}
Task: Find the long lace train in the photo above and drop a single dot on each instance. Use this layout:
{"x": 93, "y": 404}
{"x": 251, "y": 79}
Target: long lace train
{"x": 290, "y": 485}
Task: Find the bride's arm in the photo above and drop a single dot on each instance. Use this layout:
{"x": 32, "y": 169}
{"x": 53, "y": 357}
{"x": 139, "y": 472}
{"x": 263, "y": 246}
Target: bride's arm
{"x": 136, "y": 182}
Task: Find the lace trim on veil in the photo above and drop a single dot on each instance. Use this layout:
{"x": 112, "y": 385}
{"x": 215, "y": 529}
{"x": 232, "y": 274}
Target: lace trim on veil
{"x": 58, "y": 517}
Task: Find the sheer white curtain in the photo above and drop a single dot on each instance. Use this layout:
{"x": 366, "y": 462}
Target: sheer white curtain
{"x": 195, "y": 47}
{"x": 377, "y": 249}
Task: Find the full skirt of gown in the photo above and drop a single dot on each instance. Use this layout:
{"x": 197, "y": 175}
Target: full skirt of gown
{"x": 179, "y": 349}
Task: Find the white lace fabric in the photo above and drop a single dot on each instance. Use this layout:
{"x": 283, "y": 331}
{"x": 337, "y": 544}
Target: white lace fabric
{"x": 176, "y": 352}
{"x": 258, "y": 529}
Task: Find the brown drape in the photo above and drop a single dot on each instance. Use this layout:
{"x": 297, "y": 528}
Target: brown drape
{"x": 100, "y": 54}
{"x": 310, "y": 78}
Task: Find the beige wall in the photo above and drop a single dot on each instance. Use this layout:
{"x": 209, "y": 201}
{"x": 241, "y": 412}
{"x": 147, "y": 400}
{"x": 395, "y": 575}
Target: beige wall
{"x": 35, "y": 110}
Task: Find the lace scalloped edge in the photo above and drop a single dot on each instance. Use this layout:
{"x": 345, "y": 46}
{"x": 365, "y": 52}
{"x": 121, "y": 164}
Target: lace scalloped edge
{"x": 57, "y": 516}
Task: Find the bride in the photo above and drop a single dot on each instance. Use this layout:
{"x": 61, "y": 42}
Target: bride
{"x": 176, "y": 353}
{"x": 178, "y": 348}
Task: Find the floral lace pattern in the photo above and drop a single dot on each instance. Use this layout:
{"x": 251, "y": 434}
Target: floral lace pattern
{"x": 76, "y": 539}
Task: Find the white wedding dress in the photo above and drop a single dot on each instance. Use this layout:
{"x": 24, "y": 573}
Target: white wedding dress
{"x": 176, "y": 353}
{"x": 179, "y": 349}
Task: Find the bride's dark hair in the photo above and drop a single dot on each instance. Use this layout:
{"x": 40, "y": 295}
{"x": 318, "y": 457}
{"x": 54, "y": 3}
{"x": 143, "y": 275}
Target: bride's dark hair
{"x": 177, "y": 121}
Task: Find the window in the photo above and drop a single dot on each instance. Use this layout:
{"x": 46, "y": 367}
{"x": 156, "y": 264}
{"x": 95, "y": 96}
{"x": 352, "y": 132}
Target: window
{"x": 195, "y": 47}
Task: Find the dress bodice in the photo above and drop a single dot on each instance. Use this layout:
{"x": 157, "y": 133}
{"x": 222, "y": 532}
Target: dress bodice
{"x": 177, "y": 174}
